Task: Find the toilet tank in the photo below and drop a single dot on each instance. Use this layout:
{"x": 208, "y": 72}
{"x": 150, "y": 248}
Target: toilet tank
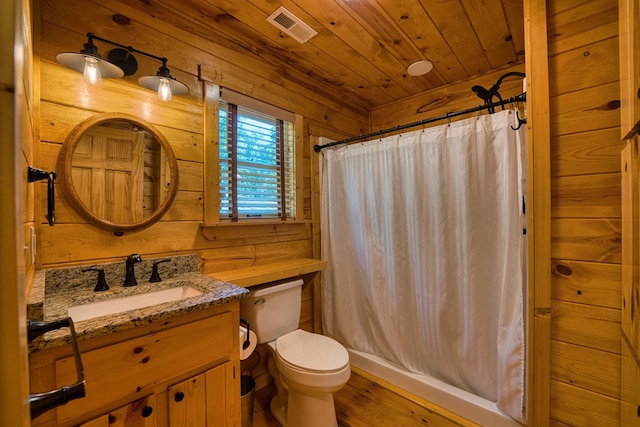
{"x": 273, "y": 309}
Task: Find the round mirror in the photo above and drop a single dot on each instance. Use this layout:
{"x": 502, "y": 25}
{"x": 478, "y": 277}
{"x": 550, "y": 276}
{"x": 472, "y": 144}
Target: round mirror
{"x": 118, "y": 172}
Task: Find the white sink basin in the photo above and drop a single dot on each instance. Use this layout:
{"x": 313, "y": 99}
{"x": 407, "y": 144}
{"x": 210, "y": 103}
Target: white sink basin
{"x": 132, "y": 302}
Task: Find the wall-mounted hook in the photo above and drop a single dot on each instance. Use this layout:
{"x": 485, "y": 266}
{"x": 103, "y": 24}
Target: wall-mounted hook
{"x": 521, "y": 121}
{"x": 35, "y": 174}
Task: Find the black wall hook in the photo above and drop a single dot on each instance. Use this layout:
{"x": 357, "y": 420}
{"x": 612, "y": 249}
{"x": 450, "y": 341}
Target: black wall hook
{"x": 35, "y": 174}
{"x": 520, "y": 121}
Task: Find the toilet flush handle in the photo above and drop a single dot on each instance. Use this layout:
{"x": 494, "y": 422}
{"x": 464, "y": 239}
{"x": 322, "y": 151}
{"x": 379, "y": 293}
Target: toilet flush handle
{"x": 259, "y": 301}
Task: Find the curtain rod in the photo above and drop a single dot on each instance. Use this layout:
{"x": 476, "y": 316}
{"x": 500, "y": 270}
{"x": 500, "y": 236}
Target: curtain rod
{"x": 518, "y": 98}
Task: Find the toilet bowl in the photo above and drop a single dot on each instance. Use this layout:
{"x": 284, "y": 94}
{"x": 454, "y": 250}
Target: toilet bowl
{"x": 307, "y": 368}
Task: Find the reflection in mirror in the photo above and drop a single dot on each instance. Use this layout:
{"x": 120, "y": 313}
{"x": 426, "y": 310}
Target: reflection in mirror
{"x": 118, "y": 172}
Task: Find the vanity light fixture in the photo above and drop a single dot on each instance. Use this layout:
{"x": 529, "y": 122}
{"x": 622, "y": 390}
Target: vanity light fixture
{"x": 121, "y": 62}
{"x": 89, "y": 62}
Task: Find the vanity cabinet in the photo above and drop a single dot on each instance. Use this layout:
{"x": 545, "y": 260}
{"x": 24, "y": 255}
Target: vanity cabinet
{"x": 141, "y": 413}
{"x": 184, "y": 371}
{"x": 629, "y": 38}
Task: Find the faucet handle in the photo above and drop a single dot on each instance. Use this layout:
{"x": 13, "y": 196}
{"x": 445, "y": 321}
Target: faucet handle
{"x": 134, "y": 258}
{"x": 102, "y": 282}
{"x": 155, "y": 277}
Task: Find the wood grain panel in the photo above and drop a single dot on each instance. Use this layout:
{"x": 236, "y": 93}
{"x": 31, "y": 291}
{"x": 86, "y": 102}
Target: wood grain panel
{"x": 586, "y": 283}
{"x": 598, "y": 371}
{"x": 487, "y": 19}
{"x": 588, "y": 326}
{"x": 586, "y": 196}
{"x": 579, "y": 407}
{"x": 586, "y": 153}
{"x": 585, "y": 110}
{"x": 586, "y": 239}
{"x": 187, "y": 206}
{"x": 581, "y": 23}
{"x": 584, "y": 67}
{"x": 190, "y": 176}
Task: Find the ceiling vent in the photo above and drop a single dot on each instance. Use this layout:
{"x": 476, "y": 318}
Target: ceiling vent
{"x": 290, "y": 24}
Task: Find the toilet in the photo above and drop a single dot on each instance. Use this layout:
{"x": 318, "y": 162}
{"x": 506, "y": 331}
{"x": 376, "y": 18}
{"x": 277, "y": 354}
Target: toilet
{"x": 307, "y": 368}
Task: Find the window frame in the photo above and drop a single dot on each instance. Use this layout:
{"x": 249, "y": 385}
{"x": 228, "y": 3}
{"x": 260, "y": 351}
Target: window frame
{"x": 213, "y": 93}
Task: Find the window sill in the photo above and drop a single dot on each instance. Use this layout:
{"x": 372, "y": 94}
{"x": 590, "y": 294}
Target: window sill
{"x": 253, "y": 221}
{"x": 251, "y": 276}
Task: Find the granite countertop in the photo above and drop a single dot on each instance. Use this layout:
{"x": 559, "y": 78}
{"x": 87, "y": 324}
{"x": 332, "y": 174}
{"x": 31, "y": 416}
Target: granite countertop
{"x": 53, "y": 292}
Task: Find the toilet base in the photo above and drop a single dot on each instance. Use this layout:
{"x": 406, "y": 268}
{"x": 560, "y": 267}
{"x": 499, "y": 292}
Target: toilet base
{"x": 311, "y": 410}
{"x": 305, "y": 410}
{"x": 279, "y": 410}
{"x": 292, "y": 408}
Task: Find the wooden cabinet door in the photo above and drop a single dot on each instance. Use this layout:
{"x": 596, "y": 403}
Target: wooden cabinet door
{"x": 211, "y": 399}
{"x": 187, "y": 403}
{"x": 141, "y": 413}
{"x": 223, "y": 397}
{"x": 631, "y": 243}
{"x": 629, "y": 23}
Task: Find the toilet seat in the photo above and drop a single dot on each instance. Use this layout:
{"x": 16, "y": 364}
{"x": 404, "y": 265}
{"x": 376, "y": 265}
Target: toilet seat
{"x": 314, "y": 353}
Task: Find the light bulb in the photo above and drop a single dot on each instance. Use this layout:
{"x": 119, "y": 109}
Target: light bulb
{"x": 91, "y": 70}
{"x": 164, "y": 89}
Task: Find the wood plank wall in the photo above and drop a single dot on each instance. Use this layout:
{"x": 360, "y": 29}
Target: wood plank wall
{"x": 66, "y": 100}
{"x": 585, "y": 212}
{"x": 583, "y": 62}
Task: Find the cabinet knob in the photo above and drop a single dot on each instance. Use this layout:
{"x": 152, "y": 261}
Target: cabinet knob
{"x": 178, "y": 396}
{"x": 147, "y": 411}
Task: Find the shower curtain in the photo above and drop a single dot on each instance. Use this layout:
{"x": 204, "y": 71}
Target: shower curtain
{"x": 423, "y": 237}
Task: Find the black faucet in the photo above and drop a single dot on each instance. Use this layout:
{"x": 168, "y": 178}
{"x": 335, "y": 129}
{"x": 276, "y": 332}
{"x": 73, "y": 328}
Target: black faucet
{"x": 102, "y": 283}
{"x": 155, "y": 276}
{"x": 130, "y": 278}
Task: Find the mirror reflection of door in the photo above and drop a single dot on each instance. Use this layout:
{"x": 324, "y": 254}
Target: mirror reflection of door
{"x": 108, "y": 173}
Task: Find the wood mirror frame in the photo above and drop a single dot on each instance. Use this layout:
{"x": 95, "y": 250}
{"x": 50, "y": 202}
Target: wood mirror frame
{"x": 170, "y": 187}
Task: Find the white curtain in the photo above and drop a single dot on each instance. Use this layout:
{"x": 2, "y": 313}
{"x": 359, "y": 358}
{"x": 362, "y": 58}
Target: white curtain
{"x": 423, "y": 235}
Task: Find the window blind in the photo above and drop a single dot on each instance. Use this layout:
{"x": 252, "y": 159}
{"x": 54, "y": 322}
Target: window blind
{"x": 257, "y": 177}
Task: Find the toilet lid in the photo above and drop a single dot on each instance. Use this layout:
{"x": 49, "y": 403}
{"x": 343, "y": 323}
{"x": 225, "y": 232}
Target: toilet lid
{"x": 312, "y": 352}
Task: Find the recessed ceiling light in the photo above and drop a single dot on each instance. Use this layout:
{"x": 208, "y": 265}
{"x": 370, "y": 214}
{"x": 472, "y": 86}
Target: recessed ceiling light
{"x": 419, "y": 68}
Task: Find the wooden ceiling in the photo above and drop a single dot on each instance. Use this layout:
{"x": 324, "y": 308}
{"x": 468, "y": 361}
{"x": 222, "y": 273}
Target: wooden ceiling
{"x": 363, "y": 47}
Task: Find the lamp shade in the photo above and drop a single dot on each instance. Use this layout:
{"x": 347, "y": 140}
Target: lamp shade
{"x": 153, "y": 82}
{"x": 76, "y": 61}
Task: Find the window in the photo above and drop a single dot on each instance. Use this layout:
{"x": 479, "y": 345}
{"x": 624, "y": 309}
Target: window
{"x": 257, "y": 178}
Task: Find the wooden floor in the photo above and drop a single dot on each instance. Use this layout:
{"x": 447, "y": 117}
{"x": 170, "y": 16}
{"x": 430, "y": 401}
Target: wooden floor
{"x": 366, "y": 402}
